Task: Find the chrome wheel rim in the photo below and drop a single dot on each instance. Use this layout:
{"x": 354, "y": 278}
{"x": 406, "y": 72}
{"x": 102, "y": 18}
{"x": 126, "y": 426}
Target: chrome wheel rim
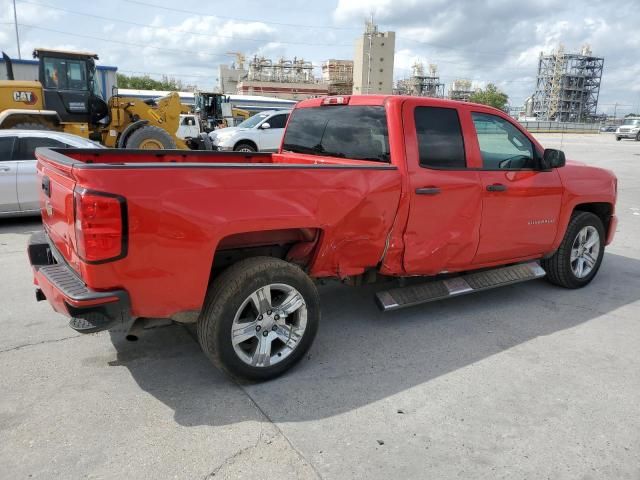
{"x": 245, "y": 149}
{"x": 269, "y": 325}
{"x": 585, "y": 251}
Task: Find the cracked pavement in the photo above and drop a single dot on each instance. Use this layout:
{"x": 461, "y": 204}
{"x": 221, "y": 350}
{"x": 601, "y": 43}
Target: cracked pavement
{"x": 527, "y": 381}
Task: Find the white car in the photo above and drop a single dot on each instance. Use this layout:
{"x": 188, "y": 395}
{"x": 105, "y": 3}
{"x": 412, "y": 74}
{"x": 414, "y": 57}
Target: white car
{"x": 629, "y": 129}
{"x": 19, "y": 189}
{"x": 262, "y": 132}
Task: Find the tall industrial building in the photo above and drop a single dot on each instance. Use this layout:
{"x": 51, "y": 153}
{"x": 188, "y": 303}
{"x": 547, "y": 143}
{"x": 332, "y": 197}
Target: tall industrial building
{"x": 421, "y": 83}
{"x": 338, "y": 76}
{"x": 373, "y": 61}
{"x": 230, "y": 75}
{"x": 568, "y": 85}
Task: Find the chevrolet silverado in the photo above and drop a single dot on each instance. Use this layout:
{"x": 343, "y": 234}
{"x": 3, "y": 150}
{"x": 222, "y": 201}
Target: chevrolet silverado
{"x": 362, "y": 188}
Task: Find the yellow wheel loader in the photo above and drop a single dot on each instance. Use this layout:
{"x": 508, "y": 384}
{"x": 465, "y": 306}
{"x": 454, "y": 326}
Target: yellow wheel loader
{"x": 66, "y": 99}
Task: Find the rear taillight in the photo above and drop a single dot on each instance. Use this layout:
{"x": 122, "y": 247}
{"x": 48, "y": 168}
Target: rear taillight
{"x": 101, "y": 226}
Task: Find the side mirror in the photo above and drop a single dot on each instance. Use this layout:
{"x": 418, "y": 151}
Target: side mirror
{"x": 265, "y": 125}
{"x": 553, "y": 158}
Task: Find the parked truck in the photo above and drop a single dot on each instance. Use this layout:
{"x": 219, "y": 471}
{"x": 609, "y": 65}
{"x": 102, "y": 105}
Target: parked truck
{"x": 362, "y": 188}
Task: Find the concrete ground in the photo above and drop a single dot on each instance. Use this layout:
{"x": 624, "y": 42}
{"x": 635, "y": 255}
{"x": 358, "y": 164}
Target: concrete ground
{"x": 528, "y": 381}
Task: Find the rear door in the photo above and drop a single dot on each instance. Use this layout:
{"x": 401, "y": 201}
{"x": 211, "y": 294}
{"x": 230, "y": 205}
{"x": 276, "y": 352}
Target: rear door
{"x": 26, "y": 182}
{"x": 8, "y": 174}
{"x": 520, "y": 202}
{"x": 269, "y": 138}
{"x": 444, "y": 218}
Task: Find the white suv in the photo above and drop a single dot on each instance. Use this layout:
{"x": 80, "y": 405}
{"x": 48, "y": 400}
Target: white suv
{"x": 629, "y": 129}
{"x": 262, "y": 132}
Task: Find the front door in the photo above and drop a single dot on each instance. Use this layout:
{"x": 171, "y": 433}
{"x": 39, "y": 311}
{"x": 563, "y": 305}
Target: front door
{"x": 444, "y": 217}
{"x": 520, "y": 202}
{"x": 271, "y": 137}
{"x": 8, "y": 168}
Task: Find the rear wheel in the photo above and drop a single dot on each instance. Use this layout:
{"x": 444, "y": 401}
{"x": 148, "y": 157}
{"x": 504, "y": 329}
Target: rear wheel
{"x": 261, "y": 316}
{"x": 579, "y": 256}
{"x": 244, "y": 147}
{"x": 638, "y": 137}
{"x": 150, "y": 138}
{"x": 618, "y": 139}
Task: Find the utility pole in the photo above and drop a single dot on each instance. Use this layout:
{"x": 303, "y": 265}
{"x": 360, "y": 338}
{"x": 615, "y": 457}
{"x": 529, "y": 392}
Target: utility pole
{"x": 15, "y": 21}
{"x": 370, "y": 32}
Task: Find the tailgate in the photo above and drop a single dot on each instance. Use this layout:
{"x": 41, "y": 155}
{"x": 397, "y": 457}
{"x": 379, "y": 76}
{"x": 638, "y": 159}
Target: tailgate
{"x": 55, "y": 176}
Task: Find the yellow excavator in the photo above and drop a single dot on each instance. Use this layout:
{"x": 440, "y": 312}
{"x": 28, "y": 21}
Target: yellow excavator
{"x": 66, "y": 98}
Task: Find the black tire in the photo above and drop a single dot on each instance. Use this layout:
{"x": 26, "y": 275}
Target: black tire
{"x": 33, "y": 126}
{"x": 226, "y": 296}
{"x": 618, "y": 139}
{"x": 149, "y": 134}
{"x": 558, "y": 267}
{"x": 638, "y": 137}
{"x": 244, "y": 147}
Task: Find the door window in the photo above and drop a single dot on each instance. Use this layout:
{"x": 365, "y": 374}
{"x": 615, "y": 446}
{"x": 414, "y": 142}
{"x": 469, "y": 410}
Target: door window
{"x": 440, "y": 142}
{"x": 502, "y": 145}
{"x": 6, "y": 148}
{"x": 28, "y": 146}
{"x": 278, "y": 121}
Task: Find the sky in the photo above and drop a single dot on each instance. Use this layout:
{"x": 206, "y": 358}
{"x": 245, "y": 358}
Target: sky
{"x": 495, "y": 41}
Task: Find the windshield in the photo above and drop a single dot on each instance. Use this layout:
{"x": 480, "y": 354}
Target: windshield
{"x": 355, "y": 132}
{"x": 253, "y": 121}
{"x": 632, "y": 121}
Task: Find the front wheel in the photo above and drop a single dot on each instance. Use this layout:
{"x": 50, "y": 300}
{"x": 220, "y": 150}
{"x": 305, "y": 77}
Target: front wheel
{"x": 260, "y": 318}
{"x": 579, "y": 256}
{"x": 244, "y": 147}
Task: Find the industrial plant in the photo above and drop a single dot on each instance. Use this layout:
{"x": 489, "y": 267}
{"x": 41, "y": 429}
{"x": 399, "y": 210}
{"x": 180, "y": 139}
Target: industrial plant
{"x": 567, "y": 86}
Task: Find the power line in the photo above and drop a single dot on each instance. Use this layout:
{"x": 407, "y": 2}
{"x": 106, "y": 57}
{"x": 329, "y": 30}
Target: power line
{"x": 200, "y": 14}
{"x": 191, "y": 32}
{"x": 174, "y": 29}
{"x": 299, "y": 25}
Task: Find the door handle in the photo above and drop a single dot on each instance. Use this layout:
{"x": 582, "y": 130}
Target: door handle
{"x": 428, "y": 191}
{"x": 5, "y": 169}
{"x": 496, "y": 187}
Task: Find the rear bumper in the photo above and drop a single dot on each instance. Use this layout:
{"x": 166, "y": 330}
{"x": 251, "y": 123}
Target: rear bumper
{"x": 91, "y": 311}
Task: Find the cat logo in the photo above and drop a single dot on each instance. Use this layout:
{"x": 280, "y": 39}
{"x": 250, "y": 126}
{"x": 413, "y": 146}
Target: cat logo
{"x": 26, "y": 97}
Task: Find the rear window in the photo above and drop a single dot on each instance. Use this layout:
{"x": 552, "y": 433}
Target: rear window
{"x": 355, "y": 132}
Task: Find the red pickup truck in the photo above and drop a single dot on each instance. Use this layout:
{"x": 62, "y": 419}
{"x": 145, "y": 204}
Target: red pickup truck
{"x": 363, "y": 187}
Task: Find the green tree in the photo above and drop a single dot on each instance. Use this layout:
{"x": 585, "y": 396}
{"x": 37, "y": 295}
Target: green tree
{"x": 632, "y": 115}
{"x": 490, "y": 96}
{"x": 147, "y": 83}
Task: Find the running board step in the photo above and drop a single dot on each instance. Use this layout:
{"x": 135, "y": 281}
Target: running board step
{"x": 452, "y": 287}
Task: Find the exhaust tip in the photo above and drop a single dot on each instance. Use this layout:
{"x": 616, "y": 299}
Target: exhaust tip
{"x": 132, "y": 338}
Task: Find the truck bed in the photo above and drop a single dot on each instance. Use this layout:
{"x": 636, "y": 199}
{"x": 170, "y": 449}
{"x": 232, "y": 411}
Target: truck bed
{"x": 184, "y": 210}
